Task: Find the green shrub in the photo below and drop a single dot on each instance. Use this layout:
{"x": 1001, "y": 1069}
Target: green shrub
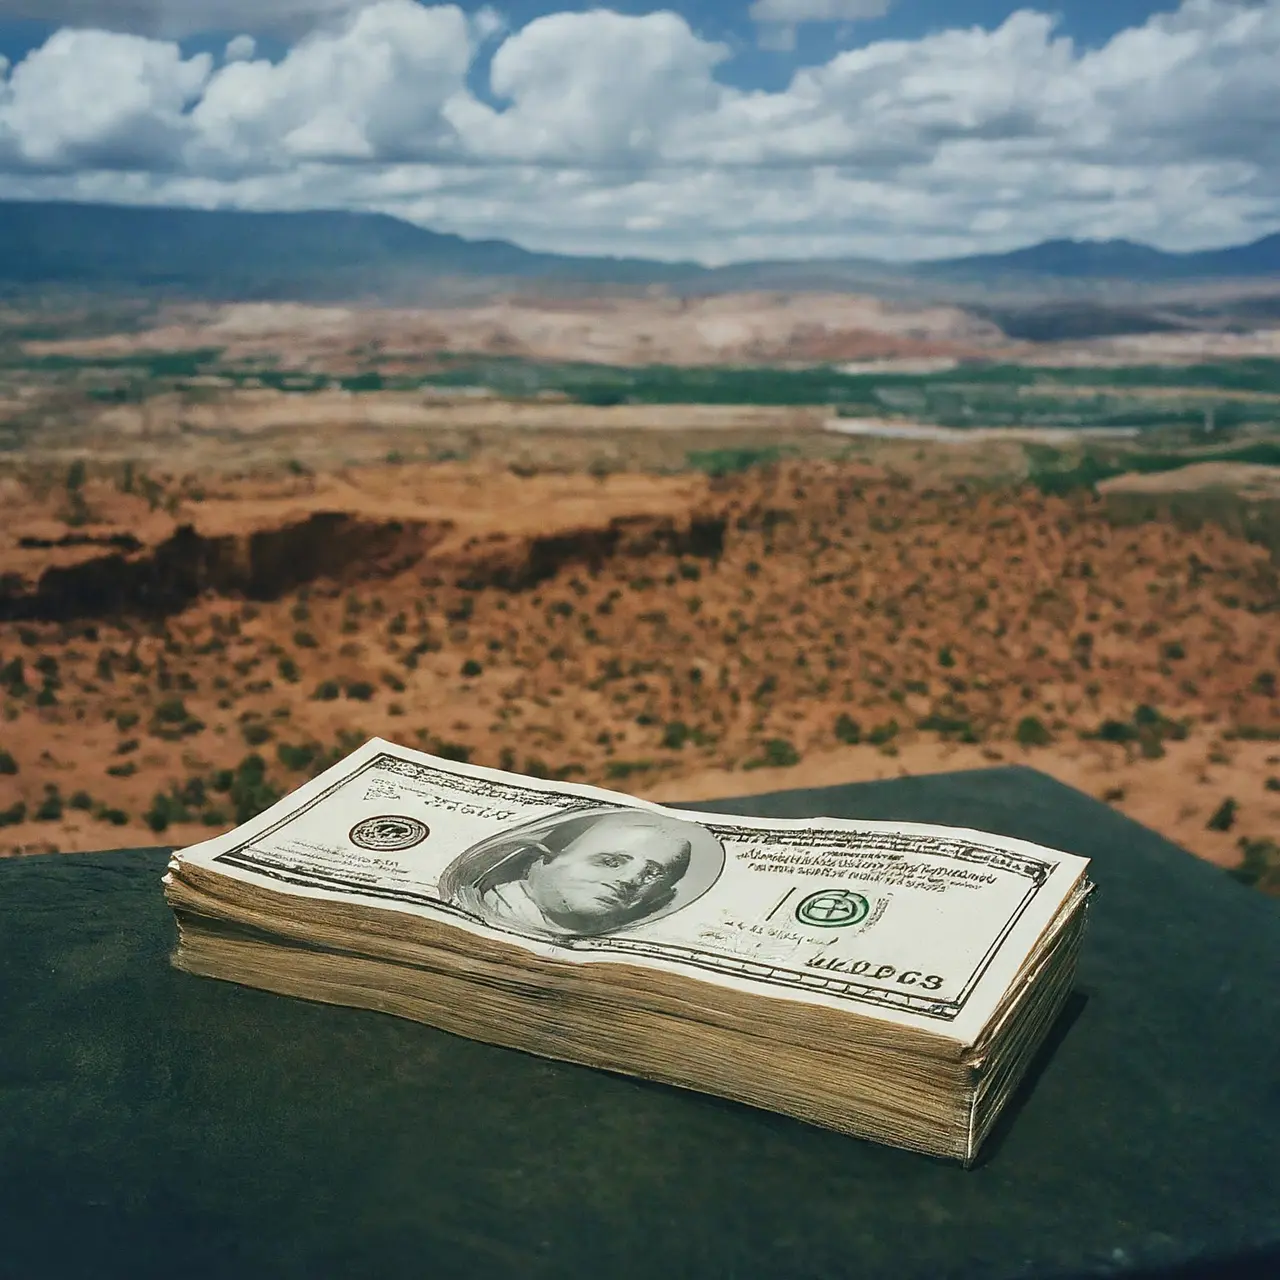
{"x": 297, "y": 758}
{"x": 157, "y": 817}
{"x": 848, "y": 729}
{"x": 767, "y": 686}
{"x": 250, "y": 790}
{"x": 13, "y": 677}
{"x": 1224, "y": 816}
{"x": 1260, "y": 864}
{"x": 50, "y": 808}
{"x": 288, "y": 669}
{"x": 327, "y": 691}
{"x": 13, "y": 815}
{"x": 171, "y": 711}
{"x": 621, "y": 769}
{"x": 81, "y": 800}
{"x": 192, "y": 792}
{"x": 883, "y": 733}
{"x": 8, "y": 765}
{"x": 780, "y": 754}
{"x": 1032, "y": 733}
{"x": 675, "y": 735}
{"x": 255, "y": 733}
{"x": 471, "y": 668}
{"x": 948, "y": 726}
{"x": 1116, "y": 731}
{"x": 360, "y": 690}
{"x": 126, "y": 770}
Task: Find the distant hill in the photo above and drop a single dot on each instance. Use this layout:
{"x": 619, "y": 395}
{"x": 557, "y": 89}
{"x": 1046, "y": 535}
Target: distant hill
{"x": 342, "y": 256}
{"x": 249, "y": 255}
{"x": 1116, "y": 260}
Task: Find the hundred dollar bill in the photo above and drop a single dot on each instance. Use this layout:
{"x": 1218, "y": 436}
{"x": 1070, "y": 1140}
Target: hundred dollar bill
{"x": 923, "y": 926}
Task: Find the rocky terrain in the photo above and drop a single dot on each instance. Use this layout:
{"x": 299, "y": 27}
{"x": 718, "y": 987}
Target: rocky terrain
{"x": 174, "y": 656}
{"x": 741, "y": 328}
{"x": 757, "y": 328}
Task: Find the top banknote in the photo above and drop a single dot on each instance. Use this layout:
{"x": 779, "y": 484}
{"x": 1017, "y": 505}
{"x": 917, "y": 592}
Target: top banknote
{"x": 918, "y": 925}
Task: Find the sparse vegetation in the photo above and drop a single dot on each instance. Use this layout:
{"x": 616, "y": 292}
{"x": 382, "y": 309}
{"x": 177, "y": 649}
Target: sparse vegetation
{"x": 621, "y": 770}
{"x": 255, "y": 733}
{"x": 1031, "y": 732}
{"x": 847, "y": 729}
{"x": 50, "y": 808}
{"x": 776, "y": 753}
{"x": 1259, "y": 864}
{"x": 1224, "y": 816}
{"x": 16, "y": 813}
{"x": 297, "y": 758}
{"x": 836, "y": 607}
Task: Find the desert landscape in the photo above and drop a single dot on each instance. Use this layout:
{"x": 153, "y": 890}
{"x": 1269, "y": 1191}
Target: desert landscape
{"x": 215, "y": 583}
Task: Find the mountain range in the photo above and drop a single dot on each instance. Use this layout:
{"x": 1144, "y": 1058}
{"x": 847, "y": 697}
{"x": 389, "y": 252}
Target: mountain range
{"x": 1119, "y": 260}
{"x": 337, "y": 255}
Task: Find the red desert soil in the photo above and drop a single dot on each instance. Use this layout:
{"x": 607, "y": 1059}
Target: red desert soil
{"x": 676, "y": 636}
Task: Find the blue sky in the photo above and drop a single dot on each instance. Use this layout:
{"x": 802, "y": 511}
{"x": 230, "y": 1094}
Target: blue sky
{"x": 765, "y": 128}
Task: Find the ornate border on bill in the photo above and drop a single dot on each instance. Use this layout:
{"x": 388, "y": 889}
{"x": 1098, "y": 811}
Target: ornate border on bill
{"x": 248, "y": 855}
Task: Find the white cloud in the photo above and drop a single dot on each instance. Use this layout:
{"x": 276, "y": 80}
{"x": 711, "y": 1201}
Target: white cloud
{"x": 487, "y": 23}
{"x": 622, "y": 134}
{"x": 241, "y": 49}
{"x": 594, "y": 87}
{"x": 373, "y": 90}
{"x": 90, "y": 99}
{"x": 778, "y": 19}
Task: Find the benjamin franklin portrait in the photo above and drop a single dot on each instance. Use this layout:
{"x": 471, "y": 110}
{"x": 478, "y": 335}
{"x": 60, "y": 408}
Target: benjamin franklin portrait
{"x": 585, "y": 873}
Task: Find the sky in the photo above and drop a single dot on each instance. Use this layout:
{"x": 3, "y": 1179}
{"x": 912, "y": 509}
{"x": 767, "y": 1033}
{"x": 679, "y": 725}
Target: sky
{"x": 704, "y": 130}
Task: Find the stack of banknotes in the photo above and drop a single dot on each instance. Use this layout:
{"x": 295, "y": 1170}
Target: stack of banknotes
{"x": 892, "y": 981}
